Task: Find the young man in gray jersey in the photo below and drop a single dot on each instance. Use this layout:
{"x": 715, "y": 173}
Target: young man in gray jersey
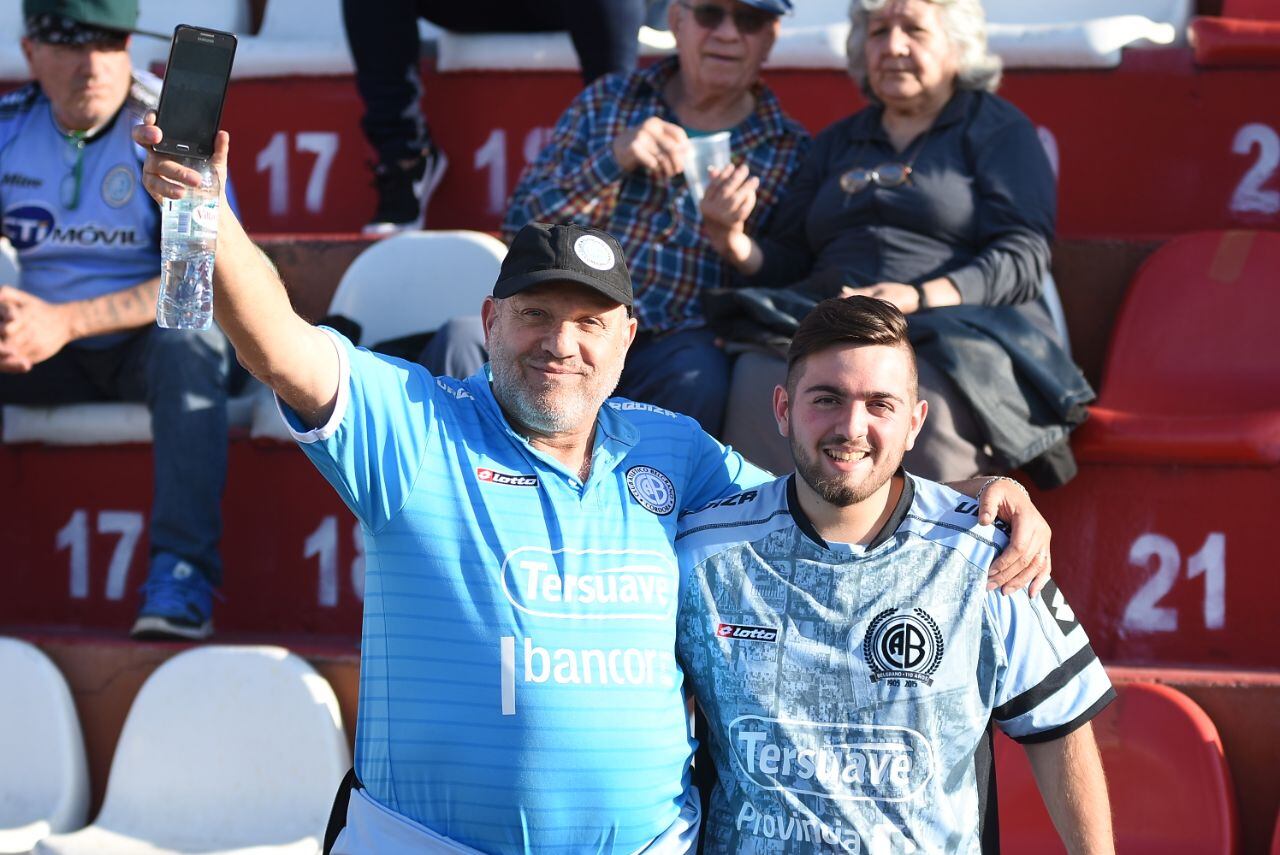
{"x": 839, "y": 636}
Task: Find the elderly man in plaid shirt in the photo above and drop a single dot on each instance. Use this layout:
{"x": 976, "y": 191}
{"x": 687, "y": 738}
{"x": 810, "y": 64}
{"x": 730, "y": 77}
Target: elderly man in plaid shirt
{"x": 615, "y": 162}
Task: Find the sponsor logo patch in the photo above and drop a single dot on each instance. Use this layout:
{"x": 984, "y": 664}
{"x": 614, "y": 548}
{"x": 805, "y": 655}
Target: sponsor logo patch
{"x": 492, "y": 476}
{"x": 118, "y": 186}
{"x": 1063, "y": 615}
{"x": 842, "y": 762}
{"x": 742, "y": 632}
{"x": 15, "y": 179}
{"x": 652, "y": 489}
{"x": 591, "y": 584}
{"x": 903, "y": 647}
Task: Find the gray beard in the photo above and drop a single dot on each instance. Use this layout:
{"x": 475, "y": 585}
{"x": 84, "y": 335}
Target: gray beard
{"x": 543, "y": 412}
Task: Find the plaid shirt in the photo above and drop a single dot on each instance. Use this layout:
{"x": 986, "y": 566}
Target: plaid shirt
{"x": 577, "y": 179}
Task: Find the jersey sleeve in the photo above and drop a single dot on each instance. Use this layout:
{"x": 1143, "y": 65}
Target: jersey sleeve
{"x": 718, "y": 471}
{"x": 372, "y": 447}
{"x": 1052, "y": 682}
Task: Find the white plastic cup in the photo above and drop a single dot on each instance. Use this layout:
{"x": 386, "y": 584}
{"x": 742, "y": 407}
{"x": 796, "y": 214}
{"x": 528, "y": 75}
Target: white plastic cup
{"x": 704, "y": 154}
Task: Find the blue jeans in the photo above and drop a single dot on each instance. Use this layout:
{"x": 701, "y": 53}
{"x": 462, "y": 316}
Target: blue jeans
{"x": 683, "y": 371}
{"x": 182, "y": 376}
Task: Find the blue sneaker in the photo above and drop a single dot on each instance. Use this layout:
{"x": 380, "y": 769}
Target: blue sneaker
{"x": 177, "y": 602}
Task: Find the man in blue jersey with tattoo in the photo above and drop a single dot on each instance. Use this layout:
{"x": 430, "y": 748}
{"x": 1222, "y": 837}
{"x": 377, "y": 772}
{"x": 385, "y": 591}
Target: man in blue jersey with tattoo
{"x": 837, "y": 630}
{"x": 519, "y": 689}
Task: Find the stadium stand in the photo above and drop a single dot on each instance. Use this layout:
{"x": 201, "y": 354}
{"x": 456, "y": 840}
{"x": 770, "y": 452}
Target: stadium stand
{"x": 44, "y": 779}
{"x": 225, "y": 749}
{"x": 1189, "y": 408}
{"x": 161, "y": 16}
{"x": 296, "y": 37}
{"x": 1151, "y": 733}
{"x": 1247, "y": 35}
{"x": 1144, "y": 411}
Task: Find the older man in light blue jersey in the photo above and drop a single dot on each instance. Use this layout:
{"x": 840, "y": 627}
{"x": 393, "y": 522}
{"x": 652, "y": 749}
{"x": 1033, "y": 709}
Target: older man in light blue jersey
{"x": 78, "y": 325}
{"x": 519, "y": 690}
{"x": 839, "y": 634}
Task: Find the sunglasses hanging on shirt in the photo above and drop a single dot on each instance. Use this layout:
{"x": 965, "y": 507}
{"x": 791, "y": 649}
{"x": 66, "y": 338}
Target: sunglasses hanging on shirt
{"x": 885, "y": 175}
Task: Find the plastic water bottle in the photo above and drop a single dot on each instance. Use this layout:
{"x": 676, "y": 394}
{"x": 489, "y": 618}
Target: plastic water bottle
{"x": 188, "y": 238}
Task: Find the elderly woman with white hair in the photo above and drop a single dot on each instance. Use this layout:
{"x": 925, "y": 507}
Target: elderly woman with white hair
{"x": 937, "y": 194}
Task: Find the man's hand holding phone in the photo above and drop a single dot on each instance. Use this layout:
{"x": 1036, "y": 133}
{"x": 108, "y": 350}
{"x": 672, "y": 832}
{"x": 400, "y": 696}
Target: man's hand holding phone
{"x": 164, "y": 176}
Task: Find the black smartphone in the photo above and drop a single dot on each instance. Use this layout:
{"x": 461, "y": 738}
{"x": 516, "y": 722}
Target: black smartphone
{"x": 195, "y": 86}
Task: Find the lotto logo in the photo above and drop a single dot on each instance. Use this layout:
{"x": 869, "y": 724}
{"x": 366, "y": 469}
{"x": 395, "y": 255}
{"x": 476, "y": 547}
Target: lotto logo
{"x": 494, "y": 477}
{"x": 747, "y": 633}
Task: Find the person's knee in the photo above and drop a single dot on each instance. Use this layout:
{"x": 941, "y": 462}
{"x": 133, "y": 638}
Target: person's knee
{"x": 189, "y": 357}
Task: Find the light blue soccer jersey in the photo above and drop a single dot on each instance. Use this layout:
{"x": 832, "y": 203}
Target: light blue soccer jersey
{"x": 75, "y": 244}
{"x": 848, "y": 693}
{"x": 518, "y": 684}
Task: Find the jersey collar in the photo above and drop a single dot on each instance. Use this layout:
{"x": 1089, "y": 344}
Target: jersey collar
{"x": 887, "y": 531}
{"x": 614, "y": 438}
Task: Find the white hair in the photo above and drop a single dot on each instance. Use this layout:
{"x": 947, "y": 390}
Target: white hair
{"x": 966, "y": 26}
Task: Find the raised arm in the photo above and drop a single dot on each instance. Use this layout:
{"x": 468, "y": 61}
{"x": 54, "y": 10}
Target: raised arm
{"x": 277, "y": 346}
{"x": 1069, "y": 773}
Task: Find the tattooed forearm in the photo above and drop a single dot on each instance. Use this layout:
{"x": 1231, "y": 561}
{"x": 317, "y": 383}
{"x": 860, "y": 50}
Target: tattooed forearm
{"x": 119, "y": 310}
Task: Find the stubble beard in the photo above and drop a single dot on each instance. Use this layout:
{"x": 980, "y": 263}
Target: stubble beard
{"x": 837, "y": 490}
{"x": 548, "y": 410}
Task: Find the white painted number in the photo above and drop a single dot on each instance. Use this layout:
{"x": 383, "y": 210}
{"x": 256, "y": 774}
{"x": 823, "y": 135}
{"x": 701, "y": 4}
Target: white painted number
{"x": 1211, "y": 562}
{"x": 1250, "y": 197}
{"x": 1050, "y": 144}
{"x": 127, "y": 524}
{"x": 357, "y": 563}
{"x": 274, "y": 160}
{"x": 1144, "y": 614}
{"x": 493, "y": 157}
{"x": 74, "y": 536}
{"x": 325, "y": 147}
{"x": 322, "y": 544}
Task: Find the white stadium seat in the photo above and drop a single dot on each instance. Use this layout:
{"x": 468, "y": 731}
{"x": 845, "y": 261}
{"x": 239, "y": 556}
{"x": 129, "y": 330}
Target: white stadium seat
{"x": 297, "y": 37}
{"x": 44, "y": 780}
{"x": 225, "y": 750}
{"x": 415, "y": 281}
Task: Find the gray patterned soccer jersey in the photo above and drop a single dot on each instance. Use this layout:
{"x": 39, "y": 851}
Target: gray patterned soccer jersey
{"x": 849, "y": 693}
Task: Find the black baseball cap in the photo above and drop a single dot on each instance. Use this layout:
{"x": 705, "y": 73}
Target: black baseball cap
{"x": 542, "y": 252}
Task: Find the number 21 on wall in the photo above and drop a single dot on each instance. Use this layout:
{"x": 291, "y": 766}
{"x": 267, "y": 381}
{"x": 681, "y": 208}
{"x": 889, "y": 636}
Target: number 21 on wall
{"x": 1144, "y": 612}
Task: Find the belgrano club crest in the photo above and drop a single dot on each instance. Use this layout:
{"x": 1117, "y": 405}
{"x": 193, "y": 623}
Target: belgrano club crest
{"x": 903, "y": 647}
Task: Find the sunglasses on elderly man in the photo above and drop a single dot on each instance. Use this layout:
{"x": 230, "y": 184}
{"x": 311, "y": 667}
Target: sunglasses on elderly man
{"x": 709, "y": 16}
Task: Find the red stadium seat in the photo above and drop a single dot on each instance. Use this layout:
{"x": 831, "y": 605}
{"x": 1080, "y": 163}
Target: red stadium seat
{"x": 1169, "y": 521}
{"x": 1191, "y": 374}
{"x": 1166, "y": 773}
{"x": 1236, "y": 42}
{"x": 1275, "y": 837}
{"x": 1262, "y": 10}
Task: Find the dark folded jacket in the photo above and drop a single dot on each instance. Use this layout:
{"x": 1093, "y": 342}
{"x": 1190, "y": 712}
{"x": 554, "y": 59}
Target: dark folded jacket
{"x": 1025, "y": 392}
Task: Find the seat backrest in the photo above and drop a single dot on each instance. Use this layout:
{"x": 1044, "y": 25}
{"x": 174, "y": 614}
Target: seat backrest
{"x": 1167, "y": 776}
{"x": 1197, "y": 331}
{"x": 1175, "y": 12}
{"x": 161, "y": 16}
{"x": 227, "y": 746}
{"x": 43, "y": 774}
{"x": 1259, "y": 10}
{"x": 320, "y": 20}
{"x": 414, "y": 282}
